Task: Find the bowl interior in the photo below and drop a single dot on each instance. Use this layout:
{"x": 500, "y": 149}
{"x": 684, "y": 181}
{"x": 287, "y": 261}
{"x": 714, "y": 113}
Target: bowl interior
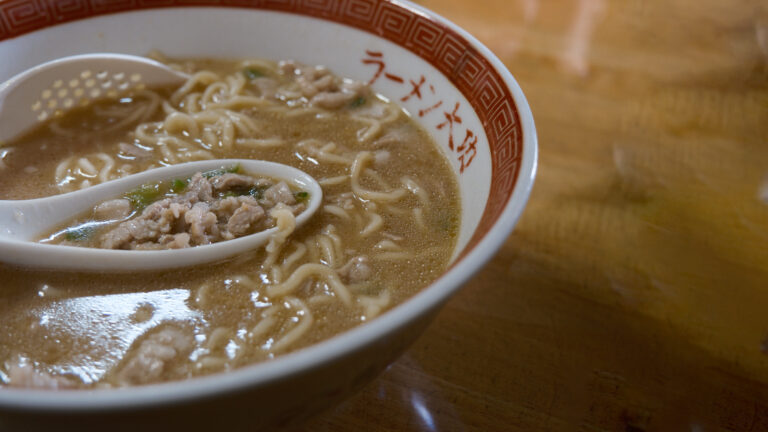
{"x": 453, "y": 86}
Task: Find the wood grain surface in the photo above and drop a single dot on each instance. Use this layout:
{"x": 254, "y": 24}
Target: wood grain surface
{"x": 633, "y": 295}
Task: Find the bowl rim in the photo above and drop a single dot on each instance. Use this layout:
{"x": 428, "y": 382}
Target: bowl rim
{"x": 470, "y": 261}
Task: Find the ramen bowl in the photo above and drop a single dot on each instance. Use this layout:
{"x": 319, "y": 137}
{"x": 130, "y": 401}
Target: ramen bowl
{"x": 453, "y": 86}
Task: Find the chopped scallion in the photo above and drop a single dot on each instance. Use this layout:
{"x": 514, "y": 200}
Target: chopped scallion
{"x": 358, "y": 102}
{"x": 258, "y": 191}
{"x": 79, "y": 233}
{"x": 144, "y": 195}
{"x": 178, "y": 185}
{"x": 252, "y": 73}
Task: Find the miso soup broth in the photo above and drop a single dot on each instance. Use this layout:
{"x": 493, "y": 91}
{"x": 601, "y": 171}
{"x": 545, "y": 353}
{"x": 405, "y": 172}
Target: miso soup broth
{"x": 386, "y": 228}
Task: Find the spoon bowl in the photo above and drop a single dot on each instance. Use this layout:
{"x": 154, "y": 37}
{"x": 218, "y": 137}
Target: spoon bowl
{"x": 22, "y": 222}
{"x": 55, "y": 87}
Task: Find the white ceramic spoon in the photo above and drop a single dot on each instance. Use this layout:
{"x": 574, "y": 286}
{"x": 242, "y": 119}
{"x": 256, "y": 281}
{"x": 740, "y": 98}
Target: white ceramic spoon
{"x": 53, "y": 88}
{"x": 24, "y": 221}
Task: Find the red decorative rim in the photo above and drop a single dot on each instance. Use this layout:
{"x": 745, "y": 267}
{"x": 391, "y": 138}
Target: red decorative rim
{"x": 441, "y": 46}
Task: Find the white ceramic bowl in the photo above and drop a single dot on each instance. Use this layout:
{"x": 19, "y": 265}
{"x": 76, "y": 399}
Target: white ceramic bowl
{"x": 454, "y": 86}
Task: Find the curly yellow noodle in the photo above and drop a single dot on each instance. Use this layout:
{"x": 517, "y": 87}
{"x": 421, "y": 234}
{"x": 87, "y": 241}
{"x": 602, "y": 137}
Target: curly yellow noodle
{"x": 299, "y": 330}
{"x": 363, "y": 158}
{"x": 304, "y": 272}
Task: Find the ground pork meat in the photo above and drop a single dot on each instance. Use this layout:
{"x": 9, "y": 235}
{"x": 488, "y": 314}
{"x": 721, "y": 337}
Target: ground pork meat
{"x": 133, "y": 232}
{"x": 279, "y": 193}
{"x": 227, "y": 206}
{"x": 175, "y": 241}
{"x": 267, "y": 87}
{"x": 201, "y": 224}
{"x": 211, "y": 208}
{"x": 381, "y": 157}
{"x": 24, "y": 375}
{"x": 242, "y": 219}
{"x": 199, "y": 189}
{"x": 358, "y": 269}
{"x": 112, "y": 209}
{"x": 323, "y": 89}
{"x": 345, "y": 200}
{"x": 344, "y": 95}
{"x": 154, "y": 357}
{"x": 230, "y": 181}
{"x": 156, "y": 220}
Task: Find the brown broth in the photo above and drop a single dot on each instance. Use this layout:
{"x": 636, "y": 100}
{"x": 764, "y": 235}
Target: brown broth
{"x": 83, "y": 329}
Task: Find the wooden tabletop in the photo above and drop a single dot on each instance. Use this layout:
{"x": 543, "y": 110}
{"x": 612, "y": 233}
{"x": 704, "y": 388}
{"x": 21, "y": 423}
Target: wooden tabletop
{"x": 633, "y": 294}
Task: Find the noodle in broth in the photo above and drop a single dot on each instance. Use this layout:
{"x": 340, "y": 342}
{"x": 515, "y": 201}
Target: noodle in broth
{"x": 386, "y": 228}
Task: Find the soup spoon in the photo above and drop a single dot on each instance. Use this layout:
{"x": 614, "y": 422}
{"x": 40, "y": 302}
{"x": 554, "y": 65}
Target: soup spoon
{"x": 22, "y": 222}
{"x": 53, "y": 88}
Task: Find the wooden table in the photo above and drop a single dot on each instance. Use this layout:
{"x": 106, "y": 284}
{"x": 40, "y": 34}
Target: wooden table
{"x": 633, "y": 295}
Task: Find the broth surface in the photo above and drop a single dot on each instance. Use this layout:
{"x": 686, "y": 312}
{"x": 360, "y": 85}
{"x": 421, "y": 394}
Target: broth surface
{"x": 386, "y": 229}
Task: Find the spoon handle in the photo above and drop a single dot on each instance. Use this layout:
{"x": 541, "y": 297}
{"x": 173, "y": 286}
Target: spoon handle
{"x": 29, "y": 219}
